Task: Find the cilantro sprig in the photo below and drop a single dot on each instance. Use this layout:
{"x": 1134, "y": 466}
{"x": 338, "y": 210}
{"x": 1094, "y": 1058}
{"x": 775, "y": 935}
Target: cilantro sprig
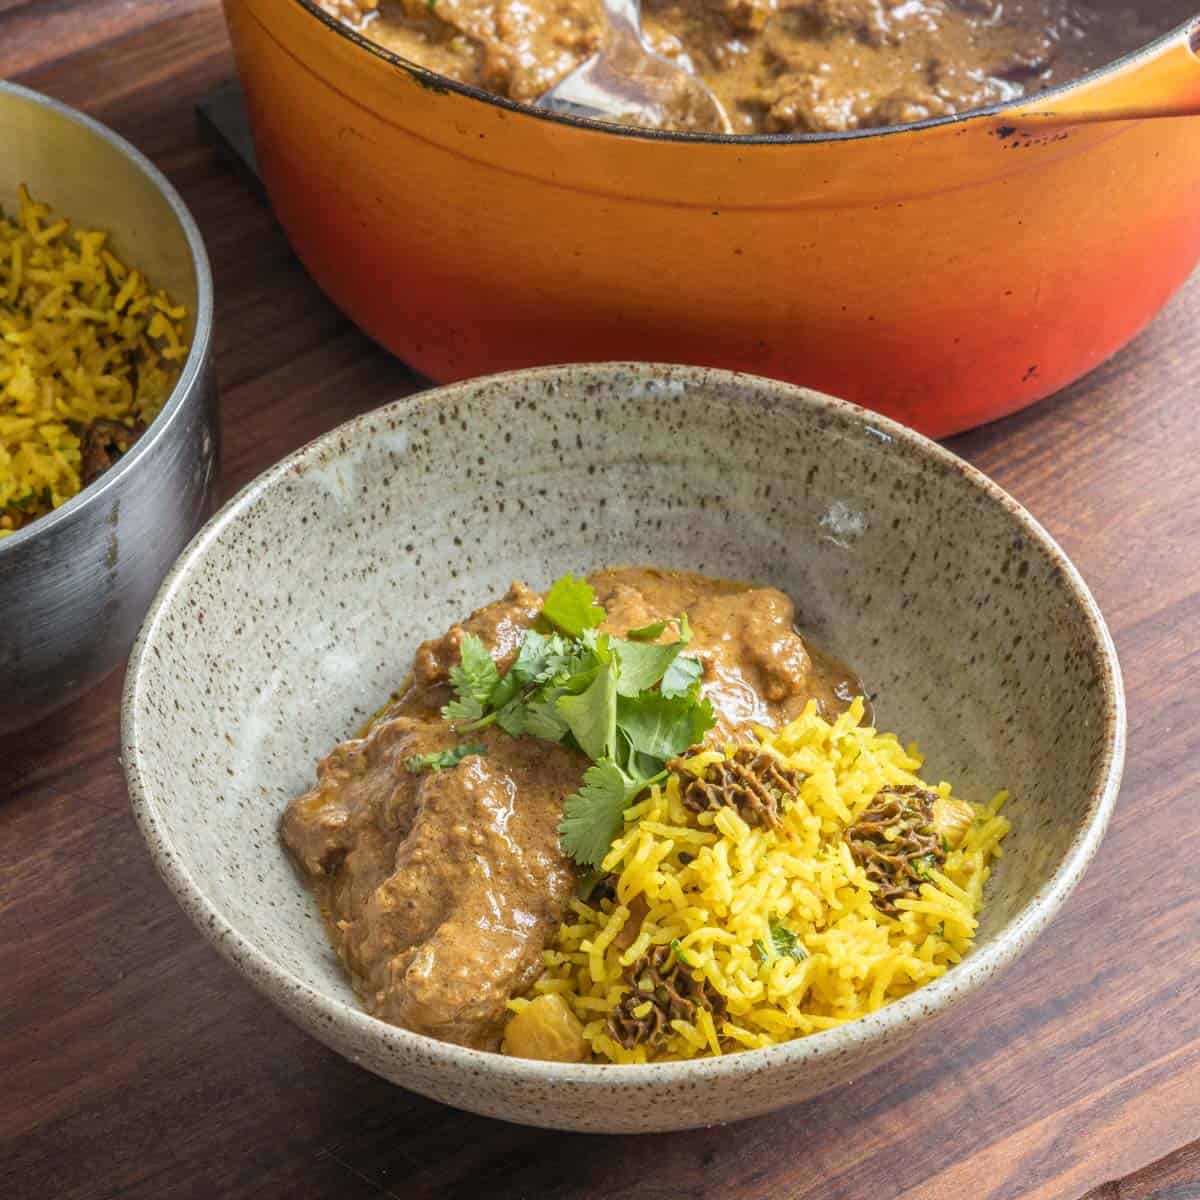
{"x": 630, "y": 704}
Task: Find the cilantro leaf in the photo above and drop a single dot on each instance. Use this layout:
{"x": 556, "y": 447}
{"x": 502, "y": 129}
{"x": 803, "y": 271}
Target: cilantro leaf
{"x": 592, "y": 815}
{"x": 655, "y": 630}
{"x": 476, "y": 674}
{"x": 513, "y": 718}
{"x": 462, "y": 711}
{"x": 542, "y": 719}
{"x": 29, "y": 499}
{"x": 441, "y": 760}
{"x": 783, "y": 944}
{"x": 642, "y": 666}
{"x": 504, "y": 692}
{"x": 591, "y": 715}
{"x": 580, "y": 664}
{"x": 681, "y": 678}
{"x": 540, "y": 659}
{"x": 474, "y": 679}
{"x": 663, "y": 727}
{"x": 648, "y": 633}
{"x": 635, "y": 764}
{"x": 595, "y": 642}
{"x": 787, "y": 944}
{"x": 591, "y": 880}
{"x": 570, "y": 605}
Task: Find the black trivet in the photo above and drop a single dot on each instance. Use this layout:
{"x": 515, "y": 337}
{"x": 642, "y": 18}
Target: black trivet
{"x": 222, "y": 119}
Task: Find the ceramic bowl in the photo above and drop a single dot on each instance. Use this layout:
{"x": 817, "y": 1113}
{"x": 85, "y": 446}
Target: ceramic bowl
{"x": 296, "y": 611}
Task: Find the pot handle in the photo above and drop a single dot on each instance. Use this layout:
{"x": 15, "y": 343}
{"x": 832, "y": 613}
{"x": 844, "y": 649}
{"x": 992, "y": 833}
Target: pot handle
{"x": 1165, "y": 84}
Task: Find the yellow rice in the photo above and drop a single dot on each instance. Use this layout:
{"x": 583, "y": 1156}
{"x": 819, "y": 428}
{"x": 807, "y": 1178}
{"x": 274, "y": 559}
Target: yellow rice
{"x": 82, "y": 336}
{"x": 734, "y": 879}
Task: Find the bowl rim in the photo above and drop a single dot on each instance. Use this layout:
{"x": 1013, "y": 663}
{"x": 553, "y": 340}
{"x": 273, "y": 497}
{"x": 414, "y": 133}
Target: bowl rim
{"x": 286, "y": 989}
{"x": 428, "y": 78}
{"x": 193, "y": 366}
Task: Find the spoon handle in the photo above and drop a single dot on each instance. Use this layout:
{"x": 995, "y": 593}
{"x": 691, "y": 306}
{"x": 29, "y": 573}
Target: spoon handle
{"x": 624, "y": 18}
{"x": 1163, "y": 84}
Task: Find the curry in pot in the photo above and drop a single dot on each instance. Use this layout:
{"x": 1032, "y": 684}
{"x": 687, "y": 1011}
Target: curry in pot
{"x": 784, "y": 66}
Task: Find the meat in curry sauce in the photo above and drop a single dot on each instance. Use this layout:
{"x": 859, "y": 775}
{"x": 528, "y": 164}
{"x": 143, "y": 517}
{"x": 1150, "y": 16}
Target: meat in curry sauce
{"x": 785, "y": 66}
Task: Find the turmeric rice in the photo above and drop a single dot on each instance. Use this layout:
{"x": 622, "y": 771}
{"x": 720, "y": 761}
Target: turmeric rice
{"x": 86, "y": 345}
{"x": 745, "y": 934}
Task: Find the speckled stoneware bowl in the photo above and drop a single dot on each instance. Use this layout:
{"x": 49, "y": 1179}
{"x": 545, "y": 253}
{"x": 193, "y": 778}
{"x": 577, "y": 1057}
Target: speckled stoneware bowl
{"x": 296, "y": 611}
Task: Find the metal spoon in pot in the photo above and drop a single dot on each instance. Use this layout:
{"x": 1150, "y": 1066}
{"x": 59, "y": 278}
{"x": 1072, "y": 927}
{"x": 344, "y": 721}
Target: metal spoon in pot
{"x": 627, "y": 82}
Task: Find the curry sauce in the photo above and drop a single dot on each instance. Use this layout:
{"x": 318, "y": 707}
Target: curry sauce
{"x": 784, "y": 66}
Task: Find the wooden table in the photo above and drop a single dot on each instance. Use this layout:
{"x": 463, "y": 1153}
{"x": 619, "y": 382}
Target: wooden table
{"x": 135, "y": 1063}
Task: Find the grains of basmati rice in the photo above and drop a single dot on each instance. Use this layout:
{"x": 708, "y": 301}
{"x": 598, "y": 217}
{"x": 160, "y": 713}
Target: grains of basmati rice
{"x": 82, "y": 337}
{"x": 714, "y": 884}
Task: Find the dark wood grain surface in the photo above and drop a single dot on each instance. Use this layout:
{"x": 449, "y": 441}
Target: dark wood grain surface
{"x": 135, "y": 1063}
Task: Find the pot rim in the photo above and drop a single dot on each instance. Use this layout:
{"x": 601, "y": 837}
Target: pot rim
{"x": 1189, "y": 30}
{"x": 190, "y": 375}
{"x": 287, "y": 990}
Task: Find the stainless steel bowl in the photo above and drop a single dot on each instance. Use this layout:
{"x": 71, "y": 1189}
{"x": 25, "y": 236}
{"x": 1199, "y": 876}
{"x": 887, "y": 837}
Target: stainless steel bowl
{"x": 75, "y": 584}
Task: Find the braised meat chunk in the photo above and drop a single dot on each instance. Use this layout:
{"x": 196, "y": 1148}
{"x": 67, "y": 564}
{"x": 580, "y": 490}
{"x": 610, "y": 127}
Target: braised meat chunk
{"x": 441, "y": 887}
{"x": 757, "y": 669}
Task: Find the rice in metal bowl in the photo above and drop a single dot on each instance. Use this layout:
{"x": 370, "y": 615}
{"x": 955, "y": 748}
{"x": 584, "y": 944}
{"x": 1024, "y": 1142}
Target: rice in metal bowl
{"x": 89, "y": 353}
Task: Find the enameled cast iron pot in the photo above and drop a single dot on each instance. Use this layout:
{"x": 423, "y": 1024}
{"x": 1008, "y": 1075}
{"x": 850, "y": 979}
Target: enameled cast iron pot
{"x": 945, "y": 273}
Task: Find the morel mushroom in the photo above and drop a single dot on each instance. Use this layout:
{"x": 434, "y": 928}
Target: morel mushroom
{"x": 663, "y": 990}
{"x": 897, "y": 843}
{"x": 751, "y": 781}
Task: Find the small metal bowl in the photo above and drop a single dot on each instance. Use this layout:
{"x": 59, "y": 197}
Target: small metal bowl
{"x": 75, "y": 584}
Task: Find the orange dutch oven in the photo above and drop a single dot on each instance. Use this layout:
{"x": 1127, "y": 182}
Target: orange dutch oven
{"x": 944, "y": 273}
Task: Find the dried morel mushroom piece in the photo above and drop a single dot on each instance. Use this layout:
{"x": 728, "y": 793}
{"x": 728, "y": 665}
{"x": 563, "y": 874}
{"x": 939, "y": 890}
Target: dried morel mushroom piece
{"x": 897, "y": 843}
{"x": 662, "y": 990}
{"x": 750, "y": 781}
{"x": 104, "y": 442}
